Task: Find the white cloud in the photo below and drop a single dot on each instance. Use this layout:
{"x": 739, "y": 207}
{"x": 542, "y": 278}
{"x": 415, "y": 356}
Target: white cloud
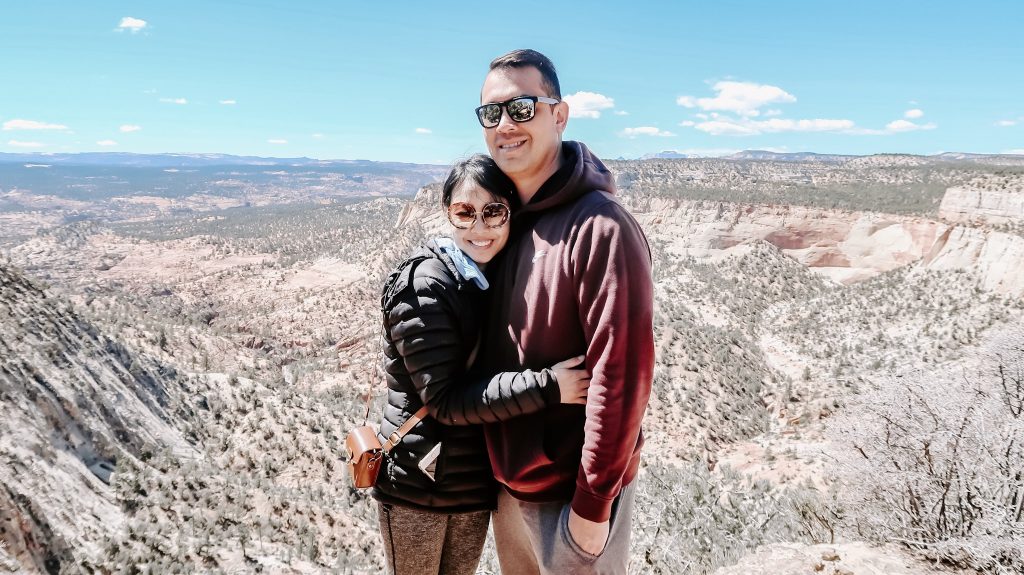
{"x": 130, "y": 128}
{"x": 743, "y": 98}
{"x": 621, "y": 113}
{"x": 1019, "y": 152}
{"x": 897, "y": 126}
{"x": 719, "y": 125}
{"x": 747, "y": 127}
{"x": 19, "y": 144}
{"x": 645, "y": 131}
{"x": 133, "y": 24}
{"x": 106, "y": 143}
{"x": 588, "y": 104}
{"x": 424, "y": 131}
{"x": 228, "y": 102}
{"x": 31, "y": 125}
{"x": 687, "y": 123}
{"x": 1006, "y": 123}
{"x": 318, "y": 136}
{"x": 913, "y": 113}
{"x": 181, "y": 101}
{"x": 277, "y": 141}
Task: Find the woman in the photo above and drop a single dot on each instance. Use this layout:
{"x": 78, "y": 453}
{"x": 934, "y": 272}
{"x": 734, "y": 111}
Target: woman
{"x": 436, "y": 491}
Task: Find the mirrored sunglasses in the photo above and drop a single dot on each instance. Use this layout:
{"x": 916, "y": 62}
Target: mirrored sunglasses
{"x": 520, "y": 109}
{"x": 463, "y": 215}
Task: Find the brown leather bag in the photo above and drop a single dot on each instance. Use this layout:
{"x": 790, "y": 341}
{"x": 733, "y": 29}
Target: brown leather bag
{"x": 366, "y": 454}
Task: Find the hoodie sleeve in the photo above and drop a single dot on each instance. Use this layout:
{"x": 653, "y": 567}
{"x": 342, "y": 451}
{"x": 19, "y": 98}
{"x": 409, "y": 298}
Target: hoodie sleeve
{"x": 611, "y": 263}
{"x": 423, "y": 326}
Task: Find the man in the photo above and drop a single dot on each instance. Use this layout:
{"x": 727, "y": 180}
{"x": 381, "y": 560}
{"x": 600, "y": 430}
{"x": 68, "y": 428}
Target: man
{"x": 576, "y": 279}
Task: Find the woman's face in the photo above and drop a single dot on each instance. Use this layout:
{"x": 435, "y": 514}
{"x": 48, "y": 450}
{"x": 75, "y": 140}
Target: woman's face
{"x": 479, "y": 242}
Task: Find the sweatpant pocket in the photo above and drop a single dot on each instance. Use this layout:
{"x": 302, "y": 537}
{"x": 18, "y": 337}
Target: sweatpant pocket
{"x": 567, "y": 540}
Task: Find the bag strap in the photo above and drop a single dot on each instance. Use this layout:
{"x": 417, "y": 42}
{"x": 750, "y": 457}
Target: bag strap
{"x": 400, "y": 280}
{"x": 396, "y": 436}
{"x": 397, "y": 281}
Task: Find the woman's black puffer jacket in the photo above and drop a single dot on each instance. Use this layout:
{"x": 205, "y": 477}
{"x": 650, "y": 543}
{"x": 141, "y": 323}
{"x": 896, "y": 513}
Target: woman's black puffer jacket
{"x": 432, "y": 321}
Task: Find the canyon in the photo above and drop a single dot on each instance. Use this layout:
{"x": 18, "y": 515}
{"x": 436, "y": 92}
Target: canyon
{"x": 176, "y": 384}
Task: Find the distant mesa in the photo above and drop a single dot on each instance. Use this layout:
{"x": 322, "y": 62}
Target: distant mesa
{"x": 666, "y": 155}
{"x": 867, "y": 160}
{"x": 789, "y": 156}
{"x": 175, "y": 160}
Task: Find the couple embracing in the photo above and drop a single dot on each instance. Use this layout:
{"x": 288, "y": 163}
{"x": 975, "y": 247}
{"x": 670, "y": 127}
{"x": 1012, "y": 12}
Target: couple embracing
{"x": 526, "y": 343}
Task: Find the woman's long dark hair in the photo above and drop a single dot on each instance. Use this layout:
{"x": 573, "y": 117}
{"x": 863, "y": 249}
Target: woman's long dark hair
{"x": 481, "y": 170}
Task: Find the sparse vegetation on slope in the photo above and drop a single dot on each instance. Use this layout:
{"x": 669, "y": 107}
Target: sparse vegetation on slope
{"x": 934, "y": 459}
{"x": 269, "y": 317}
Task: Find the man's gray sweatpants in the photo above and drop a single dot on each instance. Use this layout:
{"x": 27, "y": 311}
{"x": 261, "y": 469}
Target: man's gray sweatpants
{"x": 533, "y": 538}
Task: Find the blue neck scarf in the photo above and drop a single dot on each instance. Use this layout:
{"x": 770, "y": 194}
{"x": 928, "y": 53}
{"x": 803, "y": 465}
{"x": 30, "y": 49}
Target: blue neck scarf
{"x": 466, "y": 266}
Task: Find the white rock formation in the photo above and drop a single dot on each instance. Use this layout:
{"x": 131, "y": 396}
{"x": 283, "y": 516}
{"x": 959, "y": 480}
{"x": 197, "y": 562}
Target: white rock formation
{"x": 965, "y": 204}
{"x": 998, "y": 258}
{"x": 846, "y": 246}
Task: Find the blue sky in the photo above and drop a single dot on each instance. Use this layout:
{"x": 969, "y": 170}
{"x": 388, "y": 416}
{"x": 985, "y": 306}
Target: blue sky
{"x": 398, "y": 80}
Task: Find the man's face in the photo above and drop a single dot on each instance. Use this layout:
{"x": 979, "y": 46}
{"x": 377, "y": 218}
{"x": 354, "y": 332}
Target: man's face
{"x": 523, "y": 149}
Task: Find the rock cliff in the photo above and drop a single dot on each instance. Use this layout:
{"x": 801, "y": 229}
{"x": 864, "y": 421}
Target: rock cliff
{"x": 846, "y": 246}
{"x": 73, "y": 403}
{"x": 998, "y": 258}
{"x": 966, "y": 204}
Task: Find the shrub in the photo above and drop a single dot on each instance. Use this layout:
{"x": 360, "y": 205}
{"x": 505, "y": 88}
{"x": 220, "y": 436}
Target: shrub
{"x": 937, "y": 460}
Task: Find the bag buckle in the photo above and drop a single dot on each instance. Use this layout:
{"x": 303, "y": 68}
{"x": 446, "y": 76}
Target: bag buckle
{"x": 394, "y": 439}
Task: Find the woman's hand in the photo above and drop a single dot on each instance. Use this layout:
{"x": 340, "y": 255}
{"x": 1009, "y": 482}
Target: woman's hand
{"x": 573, "y": 382}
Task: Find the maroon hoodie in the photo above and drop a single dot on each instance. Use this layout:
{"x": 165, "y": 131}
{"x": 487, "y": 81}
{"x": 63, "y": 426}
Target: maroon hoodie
{"x": 575, "y": 279}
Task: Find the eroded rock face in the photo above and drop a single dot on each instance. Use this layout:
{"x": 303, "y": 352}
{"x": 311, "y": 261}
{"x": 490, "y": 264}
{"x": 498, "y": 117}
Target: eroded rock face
{"x": 997, "y": 257}
{"x": 28, "y": 538}
{"x": 425, "y": 209}
{"x": 73, "y": 402}
{"x": 997, "y": 206}
{"x": 846, "y": 246}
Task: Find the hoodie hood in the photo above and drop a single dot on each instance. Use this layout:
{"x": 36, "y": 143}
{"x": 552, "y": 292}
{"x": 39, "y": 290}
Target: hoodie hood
{"x": 581, "y": 172}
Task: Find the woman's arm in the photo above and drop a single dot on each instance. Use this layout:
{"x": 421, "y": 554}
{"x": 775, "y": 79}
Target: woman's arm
{"x": 424, "y": 331}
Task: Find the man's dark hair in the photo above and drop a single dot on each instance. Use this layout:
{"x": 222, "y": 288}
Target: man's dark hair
{"x": 482, "y": 171}
{"x": 528, "y": 58}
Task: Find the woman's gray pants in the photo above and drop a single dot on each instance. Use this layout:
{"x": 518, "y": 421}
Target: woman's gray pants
{"x": 423, "y": 543}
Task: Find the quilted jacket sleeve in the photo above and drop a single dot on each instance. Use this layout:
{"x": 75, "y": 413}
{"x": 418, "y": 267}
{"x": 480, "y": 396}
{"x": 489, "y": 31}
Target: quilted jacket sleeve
{"x": 424, "y": 328}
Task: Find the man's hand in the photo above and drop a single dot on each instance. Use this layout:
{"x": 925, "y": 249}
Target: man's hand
{"x": 590, "y": 536}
